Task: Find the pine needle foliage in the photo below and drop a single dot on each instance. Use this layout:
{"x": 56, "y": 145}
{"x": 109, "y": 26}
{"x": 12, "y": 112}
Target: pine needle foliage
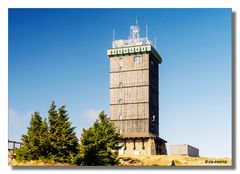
{"x": 54, "y": 140}
{"x": 35, "y": 142}
{"x": 99, "y": 143}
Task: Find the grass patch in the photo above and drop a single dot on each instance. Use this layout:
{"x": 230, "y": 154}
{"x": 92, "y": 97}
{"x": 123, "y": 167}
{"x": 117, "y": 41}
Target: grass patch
{"x": 166, "y": 160}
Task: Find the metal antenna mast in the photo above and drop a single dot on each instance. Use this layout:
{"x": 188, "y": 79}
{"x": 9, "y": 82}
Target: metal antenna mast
{"x": 113, "y": 34}
{"x": 113, "y": 41}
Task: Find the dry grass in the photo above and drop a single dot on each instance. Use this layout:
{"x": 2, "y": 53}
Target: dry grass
{"x": 155, "y": 160}
{"x": 37, "y": 163}
{"x": 166, "y": 160}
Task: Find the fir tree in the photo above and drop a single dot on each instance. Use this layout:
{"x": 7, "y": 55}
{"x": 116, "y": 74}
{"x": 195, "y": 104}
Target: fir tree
{"x": 44, "y": 142}
{"x": 99, "y": 143}
{"x": 65, "y": 142}
{"x": 35, "y": 143}
{"x": 56, "y": 141}
{"x": 52, "y": 119}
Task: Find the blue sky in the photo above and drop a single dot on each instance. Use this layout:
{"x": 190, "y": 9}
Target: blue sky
{"x": 60, "y": 55}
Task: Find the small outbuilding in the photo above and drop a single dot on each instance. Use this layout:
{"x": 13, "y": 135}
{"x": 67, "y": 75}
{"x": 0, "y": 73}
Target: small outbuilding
{"x": 184, "y": 149}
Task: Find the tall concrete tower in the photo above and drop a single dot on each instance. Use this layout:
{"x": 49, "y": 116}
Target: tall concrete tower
{"x": 134, "y": 105}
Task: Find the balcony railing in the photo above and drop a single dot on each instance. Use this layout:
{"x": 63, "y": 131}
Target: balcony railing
{"x": 129, "y": 42}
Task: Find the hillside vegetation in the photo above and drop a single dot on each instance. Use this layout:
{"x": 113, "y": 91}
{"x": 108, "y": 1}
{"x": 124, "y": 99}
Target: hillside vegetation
{"x": 156, "y": 160}
{"x": 167, "y": 160}
{"x": 54, "y": 139}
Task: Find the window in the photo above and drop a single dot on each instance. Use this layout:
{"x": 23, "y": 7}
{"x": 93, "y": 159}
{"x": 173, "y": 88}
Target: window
{"x": 120, "y": 101}
{"x": 138, "y": 59}
{"x": 121, "y": 63}
{"x": 153, "y": 118}
{"x": 120, "y": 84}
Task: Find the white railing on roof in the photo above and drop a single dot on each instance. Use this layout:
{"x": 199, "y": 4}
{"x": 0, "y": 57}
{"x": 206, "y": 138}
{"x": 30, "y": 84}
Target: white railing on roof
{"x": 131, "y": 42}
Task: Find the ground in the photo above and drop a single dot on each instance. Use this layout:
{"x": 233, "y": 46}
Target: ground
{"x": 37, "y": 163}
{"x": 168, "y": 160}
{"x": 154, "y": 160}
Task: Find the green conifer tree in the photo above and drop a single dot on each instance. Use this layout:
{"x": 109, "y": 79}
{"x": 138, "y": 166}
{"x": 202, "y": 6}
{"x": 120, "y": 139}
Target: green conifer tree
{"x": 35, "y": 143}
{"x": 99, "y": 143}
{"x": 44, "y": 141}
{"x": 52, "y": 119}
{"x": 65, "y": 143}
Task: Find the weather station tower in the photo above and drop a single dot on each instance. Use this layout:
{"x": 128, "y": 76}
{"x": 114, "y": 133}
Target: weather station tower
{"x": 134, "y": 90}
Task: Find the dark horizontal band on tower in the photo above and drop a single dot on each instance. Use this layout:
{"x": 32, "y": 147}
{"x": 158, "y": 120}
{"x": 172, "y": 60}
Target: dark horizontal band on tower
{"x": 128, "y": 86}
{"x": 129, "y": 119}
{"x": 144, "y": 69}
{"x": 135, "y": 103}
{"x": 135, "y": 86}
{"x": 129, "y": 70}
{"x": 128, "y": 103}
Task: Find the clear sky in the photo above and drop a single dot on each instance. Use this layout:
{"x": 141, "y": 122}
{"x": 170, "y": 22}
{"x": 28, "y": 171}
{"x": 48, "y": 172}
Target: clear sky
{"x": 60, "y": 55}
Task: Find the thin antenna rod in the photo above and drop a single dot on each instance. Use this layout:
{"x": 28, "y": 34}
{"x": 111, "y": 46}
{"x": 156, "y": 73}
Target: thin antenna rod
{"x": 113, "y": 34}
{"x": 113, "y": 43}
{"x": 146, "y": 31}
{"x": 136, "y": 20}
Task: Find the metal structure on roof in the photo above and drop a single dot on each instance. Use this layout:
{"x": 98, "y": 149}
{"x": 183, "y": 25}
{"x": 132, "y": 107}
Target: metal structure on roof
{"x": 134, "y": 38}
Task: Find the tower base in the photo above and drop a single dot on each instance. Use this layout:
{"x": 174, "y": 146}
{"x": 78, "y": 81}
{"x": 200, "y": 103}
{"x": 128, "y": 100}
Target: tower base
{"x": 142, "y": 144}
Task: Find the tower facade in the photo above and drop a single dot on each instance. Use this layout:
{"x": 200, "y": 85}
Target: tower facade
{"x": 134, "y": 104}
